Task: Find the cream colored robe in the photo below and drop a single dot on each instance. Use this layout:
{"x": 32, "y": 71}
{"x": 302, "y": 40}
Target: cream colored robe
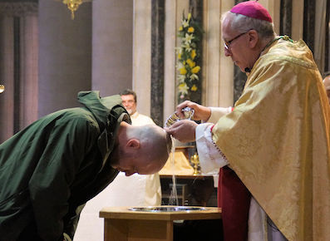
{"x": 277, "y": 140}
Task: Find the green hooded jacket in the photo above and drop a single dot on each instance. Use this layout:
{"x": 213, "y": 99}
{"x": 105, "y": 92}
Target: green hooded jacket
{"x": 57, "y": 164}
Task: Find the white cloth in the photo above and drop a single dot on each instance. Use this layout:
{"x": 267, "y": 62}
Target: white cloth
{"x": 139, "y": 119}
{"x": 209, "y": 158}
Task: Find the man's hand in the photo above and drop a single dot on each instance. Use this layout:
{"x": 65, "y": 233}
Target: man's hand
{"x": 183, "y": 130}
{"x": 200, "y": 112}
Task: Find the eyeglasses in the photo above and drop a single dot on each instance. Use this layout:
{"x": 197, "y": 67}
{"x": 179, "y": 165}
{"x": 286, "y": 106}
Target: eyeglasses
{"x": 227, "y": 43}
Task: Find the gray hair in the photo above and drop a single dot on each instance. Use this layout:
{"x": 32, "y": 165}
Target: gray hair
{"x": 243, "y": 24}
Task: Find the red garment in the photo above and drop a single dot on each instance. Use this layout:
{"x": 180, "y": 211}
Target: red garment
{"x": 253, "y": 10}
{"x": 234, "y": 199}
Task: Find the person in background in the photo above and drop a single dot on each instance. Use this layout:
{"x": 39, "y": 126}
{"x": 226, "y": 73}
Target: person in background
{"x": 326, "y": 82}
{"x": 153, "y": 189}
{"x": 276, "y": 139}
{"x": 54, "y": 166}
{"x": 130, "y": 103}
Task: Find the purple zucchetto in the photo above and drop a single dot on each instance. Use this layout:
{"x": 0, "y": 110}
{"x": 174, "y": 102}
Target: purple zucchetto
{"x": 252, "y": 9}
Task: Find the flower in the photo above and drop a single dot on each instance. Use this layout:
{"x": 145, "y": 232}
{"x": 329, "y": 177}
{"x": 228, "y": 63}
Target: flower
{"x": 181, "y": 78}
{"x": 185, "y": 23}
{"x": 188, "y": 38}
{"x": 183, "y": 71}
{"x": 188, "y": 68}
{"x": 192, "y": 54}
{"x": 191, "y": 63}
{"x": 191, "y": 29}
{"x": 195, "y": 70}
{"x": 194, "y": 77}
{"x": 183, "y": 88}
{"x": 194, "y": 88}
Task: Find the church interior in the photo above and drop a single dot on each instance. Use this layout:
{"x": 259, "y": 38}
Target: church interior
{"x": 49, "y": 52}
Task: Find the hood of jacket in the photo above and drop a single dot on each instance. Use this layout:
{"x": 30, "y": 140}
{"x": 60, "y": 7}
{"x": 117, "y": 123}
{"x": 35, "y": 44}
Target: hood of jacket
{"x": 108, "y": 112}
{"x": 100, "y": 107}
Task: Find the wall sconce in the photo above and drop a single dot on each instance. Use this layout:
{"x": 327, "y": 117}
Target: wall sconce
{"x": 73, "y": 5}
{"x": 2, "y": 88}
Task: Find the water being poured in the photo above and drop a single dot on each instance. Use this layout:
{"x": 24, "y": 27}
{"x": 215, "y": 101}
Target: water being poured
{"x": 173, "y": 200}
{"x": 188, "y": 113}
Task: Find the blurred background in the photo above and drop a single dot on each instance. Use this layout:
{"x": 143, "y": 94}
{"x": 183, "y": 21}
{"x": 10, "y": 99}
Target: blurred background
{"x": 47, "y": 57}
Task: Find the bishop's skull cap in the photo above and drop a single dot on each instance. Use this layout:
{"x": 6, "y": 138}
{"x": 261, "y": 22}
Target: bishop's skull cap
{"x": 252, "y": 9}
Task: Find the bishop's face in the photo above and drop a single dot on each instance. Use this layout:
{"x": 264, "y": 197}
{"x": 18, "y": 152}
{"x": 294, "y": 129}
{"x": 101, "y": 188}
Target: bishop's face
{"x": 240, "y": 46}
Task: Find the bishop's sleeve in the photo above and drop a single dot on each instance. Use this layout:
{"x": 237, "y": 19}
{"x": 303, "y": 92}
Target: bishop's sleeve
{"x": 218, "y": 112}
{"x": 210, "y": 156}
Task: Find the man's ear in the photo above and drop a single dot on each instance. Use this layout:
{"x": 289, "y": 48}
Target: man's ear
{"x": 253, "y": 38}
{"x": 133, "y": 143}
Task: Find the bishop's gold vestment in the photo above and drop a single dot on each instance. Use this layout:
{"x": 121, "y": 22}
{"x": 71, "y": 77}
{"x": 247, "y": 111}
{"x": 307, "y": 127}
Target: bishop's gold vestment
{"x": 277, "y": 140}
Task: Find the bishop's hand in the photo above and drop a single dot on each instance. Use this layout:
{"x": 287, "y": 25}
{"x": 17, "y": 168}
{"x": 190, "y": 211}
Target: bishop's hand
{"x": 200, "y": 112}
{"x": 183, "y": 130}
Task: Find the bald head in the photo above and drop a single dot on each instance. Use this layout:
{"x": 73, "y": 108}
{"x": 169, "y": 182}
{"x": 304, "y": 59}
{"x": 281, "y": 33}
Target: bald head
{"x": 326, "y": 83}
{"x": 155, "y": 142}
{"x": 141, "y": 149}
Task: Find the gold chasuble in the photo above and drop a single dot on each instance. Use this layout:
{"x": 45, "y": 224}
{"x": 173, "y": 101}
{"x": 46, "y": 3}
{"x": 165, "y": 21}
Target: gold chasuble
{"x": 277, "y": 140}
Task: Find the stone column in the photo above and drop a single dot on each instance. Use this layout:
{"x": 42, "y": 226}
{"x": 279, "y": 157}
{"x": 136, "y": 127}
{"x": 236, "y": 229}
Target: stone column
{"x": 112, "y": 46}
{"x": 18, "y": 66}
{"x": 218, "y": 69}
{"x": 29, "y": 70}
{"x": 7, "y": 78}
{"x": 309, "y": 23}
{"x": 157, "y": 61}
{"x": 64, "y": 55}
{"x": 142, "y": 55}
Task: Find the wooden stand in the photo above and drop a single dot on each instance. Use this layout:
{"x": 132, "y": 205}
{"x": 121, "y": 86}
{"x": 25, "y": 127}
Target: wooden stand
{"x": 121, "y": 224}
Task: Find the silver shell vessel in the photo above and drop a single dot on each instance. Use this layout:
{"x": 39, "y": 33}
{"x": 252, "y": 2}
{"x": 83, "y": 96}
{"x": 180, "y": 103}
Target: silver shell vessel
{"x": 188, "y": 114}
